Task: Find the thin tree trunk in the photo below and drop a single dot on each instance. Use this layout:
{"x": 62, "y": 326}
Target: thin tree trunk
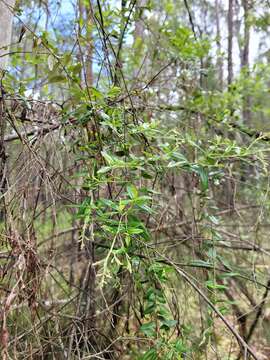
{"x": 245, "y": 58}
{"x": 237, "y": 29}
{"x": 230, "y": 42}
{"x": 87, "y": 299}
{"x": 230, "y": 186}
{"x": 89, "y": 47}
{"x": 139, "y": 26}
{"x": 118, "y": 58}
{"x": 6, "y": 17}
{"x": 3, "y": 179}
{"x": 219, "y": 58}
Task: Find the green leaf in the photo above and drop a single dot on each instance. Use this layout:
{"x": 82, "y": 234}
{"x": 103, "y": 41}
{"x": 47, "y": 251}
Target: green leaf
{"x": 114, "y": 91}
{"x": 132, "y": 191}
{"x": 150, "y": 355}
{"x": 168, "y": 324}
{"x": 214, "y": 286}
{"x": 107, "y": 157}
{"x": 56, "y": 79}
{"x": 201, "y": 263}
{"x": 104, "y": 170}
{"x": 203, "y": 176}
{"x": 147, "y": 209}
{"x": 204, "y": 179}
{"x": 179, "y": 157}
{"x": 133, "y": 231}
{"x": 146, "y": 175}
{"x": 214, "y": 219}
{"x": 229, "y": 274}
{"x": 50, "y": 62}
{"x": 148, "y": 329}
{"x": 96, "y": 93}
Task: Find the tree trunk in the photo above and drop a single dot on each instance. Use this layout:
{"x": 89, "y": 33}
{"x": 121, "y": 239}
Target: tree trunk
{"x": 139, "y": 26}
{"x": 245, "y": 58}
{"x": 230, "y": 42}
{"x": 230, "y": 186}
{"x": 219, "y": 57}
{"x": 89, "y": 47}
{"x": 118, "y": 57}
{"x": 85, "y": 334}
{"x": 6, "y": 17}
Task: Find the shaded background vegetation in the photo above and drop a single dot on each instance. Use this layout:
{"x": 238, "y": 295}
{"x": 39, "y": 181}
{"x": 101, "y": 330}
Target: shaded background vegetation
{"x": 135, "y": 180}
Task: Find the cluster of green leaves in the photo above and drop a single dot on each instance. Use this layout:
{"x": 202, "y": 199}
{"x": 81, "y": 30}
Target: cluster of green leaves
{"x": 130, "y": 157}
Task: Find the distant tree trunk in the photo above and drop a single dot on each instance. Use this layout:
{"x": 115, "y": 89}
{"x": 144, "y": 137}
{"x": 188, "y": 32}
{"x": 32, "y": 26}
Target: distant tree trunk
{"x": 6, "y": 18}
{"x": 118, "y": 56}
{"x": 89, "y": 47}
{"x": 237, "y": 29}
{"x": 219, "y": 58}
{"x": 230, "y": 42}
{"x": 230, "y": 186}
{"x": 139, "y": 26}
{"x": 5, "y": 39}
{"x": 245, "y": 57}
